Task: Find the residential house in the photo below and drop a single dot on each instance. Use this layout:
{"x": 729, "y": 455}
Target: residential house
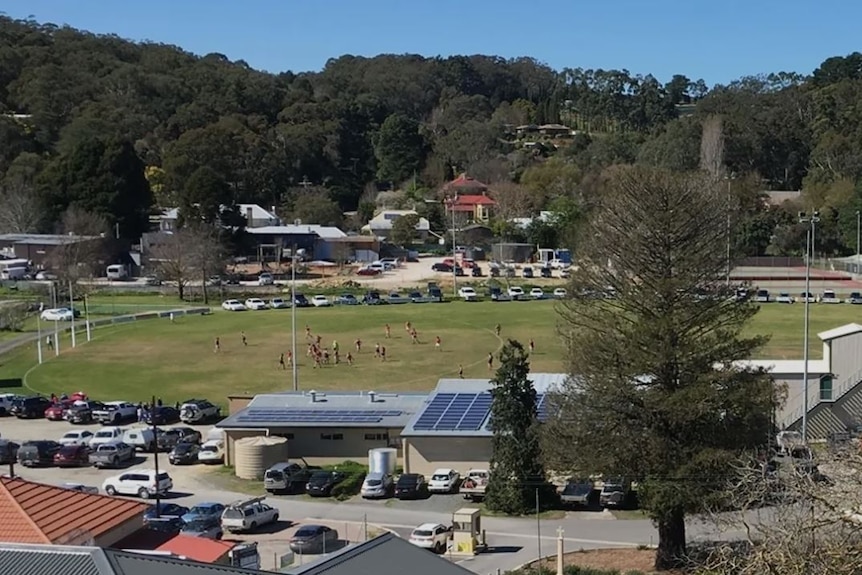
{"x": 469, "y": 200}
{"x": 270, "y": 243}
{"x": 255, "y": 217}
{"x": 381, "y": 224}
{"x": 555, "y": 130}
{"x": 36, "y": 513}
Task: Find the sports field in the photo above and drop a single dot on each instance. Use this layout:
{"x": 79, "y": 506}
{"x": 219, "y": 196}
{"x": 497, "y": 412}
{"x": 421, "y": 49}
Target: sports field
{"x": 177, "y": 360}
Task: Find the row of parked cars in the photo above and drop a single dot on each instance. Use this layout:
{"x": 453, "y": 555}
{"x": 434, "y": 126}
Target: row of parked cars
{"x": 448, "y": 266}
{"x": 827, "y": 297}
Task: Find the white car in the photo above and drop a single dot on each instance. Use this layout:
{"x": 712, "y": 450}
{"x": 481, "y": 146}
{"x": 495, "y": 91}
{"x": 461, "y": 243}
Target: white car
{"x": 320, "y": 301}
{"x": 212, "y": 451}
{"x": 807, "y": 297}
{"x": 433, "y": 536}
{"x": 560, "y": 293}
{"x": 516, "y": 292}
{"x": 784, "y": 297}
{"x": 278, "y": 303}
{"x": 46, "y": 276}
{"x": 248, "y": 515}
{"x": 106, "y": 435}
{"x": 444, "y": 481}
{"x": 255, "y": 303}
{"x": 233, "y": 305}
{"x": 265, "y": 279}
{"x": 537, "y": 293}
{"x": 57, "y": 314}
{"x": 829, "y": 297}
{"x": 80, "y": 437}
{"x": 140, "y": 482}
{"x": 468, "y": 294}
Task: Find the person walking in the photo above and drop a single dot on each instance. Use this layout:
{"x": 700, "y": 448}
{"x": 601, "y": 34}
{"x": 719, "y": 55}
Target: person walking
{"x": 290, "y": 358}
{"x": 335, "y": 346}
{"x": 281, "y": 361}
{"x": 244, "y": 340}
{"x": 460, "y": 371}
{"x": 388, "y": 331}
{"x": 217, "y": 347}
{"x": 383, "y": 353}
{"x": 532, "y": 345}
{"x": 490, "y": 362}
{"x": 497, "y": 329}
{"x": 358, "y": 345}
{"x": 349, "y": 358}
{"x": 376, "y": 350}
{"x": 438, "y": 343}
{"x": 415, "y": 336}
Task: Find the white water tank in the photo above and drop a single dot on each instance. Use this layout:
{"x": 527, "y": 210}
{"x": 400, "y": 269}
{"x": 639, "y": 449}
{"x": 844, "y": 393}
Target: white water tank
{"x": 254, "y": 455}
{"x": 382, "y": 460}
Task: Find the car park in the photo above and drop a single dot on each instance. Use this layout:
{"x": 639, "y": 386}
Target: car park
{"x": 184, "y": 453}
{"x": 265, "y": 279}
{"x": 829, "y": 297}
{"x": 37, "y": 453}
{"x": 207, "y": 510}
{"x": 377, "y": 485}
{"x": 233, "y": 305}
{"x": 411, "y": 486}
{"x": 113, "y": 454}
{"x": 32, "y": 407}
{"x": 432, "y": 536}
{"x": 784, "y": 297}
{"x": 141, "y": 482}
{"x": 162, "y": 509}
{"x": 314, "y": 540}
{"x": 209, "y": 528}
{"x": 516, "y": 293}
{"x": 76, "y": 437}
{"x": 444, "y": 481}
{"x": 255, "y": 303}
{"x": 116, "y": 412}
{"x": 320, "y": 301}
{"x": 162, "y": 415}
{"x": 560, "y": 293}
{"x": 279, "y": 303}
{"x": 322, "y": 482}
{"x": 106, "y": 435}
{"x": 57, "y": 314}
{"x": 248, "y": 515}
{"x": 198, "y": 411}
{"x": 467, "y": 293}
{"x": 537, "y": 293}
{"x": 72, "y": 456}
{"x": 212, "y": 451}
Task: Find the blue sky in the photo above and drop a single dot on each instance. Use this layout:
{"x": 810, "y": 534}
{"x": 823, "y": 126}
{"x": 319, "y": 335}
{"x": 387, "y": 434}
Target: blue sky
{"x": 718, "y": 41}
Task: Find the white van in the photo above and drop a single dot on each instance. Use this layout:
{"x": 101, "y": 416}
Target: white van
{"x": 13, "y": 273}
{"x": 116, "y": 272}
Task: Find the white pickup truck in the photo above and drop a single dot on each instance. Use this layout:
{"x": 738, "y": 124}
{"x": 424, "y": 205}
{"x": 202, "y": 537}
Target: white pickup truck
{"x": 247, "y": 515}
{"x": 115, "y": 412}
{"x": 475, "y": 484}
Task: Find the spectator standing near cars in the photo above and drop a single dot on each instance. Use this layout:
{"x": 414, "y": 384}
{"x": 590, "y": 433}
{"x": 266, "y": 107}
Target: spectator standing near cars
{"x": 490, "y": 361}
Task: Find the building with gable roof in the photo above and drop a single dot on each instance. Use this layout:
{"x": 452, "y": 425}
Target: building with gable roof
{"x": 469, "y": 199}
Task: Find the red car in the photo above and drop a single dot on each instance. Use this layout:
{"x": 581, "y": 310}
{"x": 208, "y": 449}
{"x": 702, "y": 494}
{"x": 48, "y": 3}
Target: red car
{"x": 368, "y": 272}
{"x": 57, "y": 410}
{"x": 72, "y": 456}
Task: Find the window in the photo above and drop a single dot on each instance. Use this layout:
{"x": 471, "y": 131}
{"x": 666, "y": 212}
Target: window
{"x": 332, "y": 436}
{"x": 377, "y": 436}
{"x": 826, "y": 388}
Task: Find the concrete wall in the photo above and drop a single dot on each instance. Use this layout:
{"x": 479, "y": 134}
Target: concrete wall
{"x": 425, "y": 454}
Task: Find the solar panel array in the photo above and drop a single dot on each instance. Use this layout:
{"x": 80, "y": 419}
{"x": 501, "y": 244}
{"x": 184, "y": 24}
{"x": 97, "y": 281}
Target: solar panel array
{"x": 463, "y": 412}
{"x": 293, "y": 415}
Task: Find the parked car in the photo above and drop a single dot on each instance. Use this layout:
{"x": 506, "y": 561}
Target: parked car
{"x": 442, "y": 267}
{"x": 72, "y": 456}
{"x": 320, "y": 301}
{"x": 106, "y": 435}
{"x": 467, "y": 293}
{"x": 8, "y": 451}
{"x": 164, "y": 510}
{"x": 37, "y": 453}
{"x": 321, "y": 483}
{"x": 785, "y": 297}
{"x": 516, "y": 293}
{"x": 762, "y": 296}
{"x": 212, "y": 451}
{"x": 265, "y": 279}
{"x": 476, "y": 271}
{"x": 286, "y": 477}
{"x": 301, "y": 301}
{"x": 615, "y": 493}
{"x": 373, "y": 298}
{"x": 57, "y": 411}
{"x": 411, "y": 486}
{"x": 829, "y": 297}
{"x": 347, "y": 299}
{"x": 77, "y": 437}
{"x": 444, "y": 480}
{"x": 248, "y": 515}
{"x": 82, "y": 412}
{"x": 233, "y": 305}
{"x": 184, "y": 453}
{"x": 198, "y": 411}
{"x": 32, "y": 407}
{"x": 164, "y": 415}
{"x": 807, "y": 297}
{"x": 546, "y": 272}
{"x": 207, "y": 510}
{"x": 255, "y": 303}
{"x": 168, "y": 438}
{"x": 475, "y": 483}
{"x": 168, "y": 525}
{"x": 278, "y": 303}
{"x": 140, "y": 482}
{"x": 432, "y": 536}
{"x": 116, "y": 412}
{"x": 313, "y": 540}
{"x": 368, "y": 271}
{"x": 537, "y": 293}
{"x": 7, "y": 401}
{"x": 113, "y": 454}
{"x": 207, "y": 528}
{"x": 577, "y": 491}
{"x": 141, "y": 438}
{"x": 527, "y": 272}
{"x": 57, "y": 314}
{"x": 377, "y": 485}
{"x": 498, "y": 294}
{"x": 855, "y": 298}
{"x": 560, "y": 293}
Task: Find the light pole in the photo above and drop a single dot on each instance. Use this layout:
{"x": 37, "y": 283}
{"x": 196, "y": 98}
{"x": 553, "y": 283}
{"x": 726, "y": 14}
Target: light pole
{"x": 858, "y": 222}
{"x": 454, "y": 247}
{"x": 810, "y": 221}
{"x": 39, "y": 334}
{"x": 72, "y": 307}
{"x": 294, "y": 358}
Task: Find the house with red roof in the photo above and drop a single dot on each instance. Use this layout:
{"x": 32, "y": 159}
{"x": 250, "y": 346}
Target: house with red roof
{"x": 469, "y": 199}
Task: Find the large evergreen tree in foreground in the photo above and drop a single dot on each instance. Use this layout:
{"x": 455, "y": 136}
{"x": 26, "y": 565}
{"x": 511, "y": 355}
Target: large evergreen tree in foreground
{"x": 655, "y": 394}
{"x": 516, "y": 465}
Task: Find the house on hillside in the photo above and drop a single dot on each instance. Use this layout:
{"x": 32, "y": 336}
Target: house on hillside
{"x": 469, "y": 199}
{"x": 381, "y": 224}
{"x": 255, "y": 217}
{"x": 555, "y": 130}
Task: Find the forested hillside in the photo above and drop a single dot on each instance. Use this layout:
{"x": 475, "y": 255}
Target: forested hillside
{"x": 115, "y": 128}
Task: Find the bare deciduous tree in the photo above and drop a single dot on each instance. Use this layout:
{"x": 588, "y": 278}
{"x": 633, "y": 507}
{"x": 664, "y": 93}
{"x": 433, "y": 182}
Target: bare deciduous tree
{"x": 207, "y": 253}
{"x": 192, "y": 253}
{"x": 712, "y": 147}
{"x": 513, "y": 200}
{"x": 81, "y": 255}
{"x": 19, "y": 210}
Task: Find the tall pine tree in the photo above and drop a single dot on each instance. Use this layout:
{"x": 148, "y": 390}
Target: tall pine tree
{"x": 517, "y": 472}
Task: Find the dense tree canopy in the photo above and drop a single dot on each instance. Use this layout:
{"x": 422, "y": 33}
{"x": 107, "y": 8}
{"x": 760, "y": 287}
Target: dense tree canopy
{"x": 378, "y": 121}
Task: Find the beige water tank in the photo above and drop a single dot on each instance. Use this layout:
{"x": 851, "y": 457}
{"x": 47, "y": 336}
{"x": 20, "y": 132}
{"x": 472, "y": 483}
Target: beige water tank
{"x": 254, "y": 455}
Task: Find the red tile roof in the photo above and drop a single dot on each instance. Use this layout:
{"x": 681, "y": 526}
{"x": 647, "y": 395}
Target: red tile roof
{"x": 465, "y": 181}
{"x": 474, "y": 200}
{"x": 197, "y": 548}
{"x": 37, "y": 513}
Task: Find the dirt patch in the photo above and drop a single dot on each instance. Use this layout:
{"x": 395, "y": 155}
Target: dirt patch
{"x": 622, "y": 560}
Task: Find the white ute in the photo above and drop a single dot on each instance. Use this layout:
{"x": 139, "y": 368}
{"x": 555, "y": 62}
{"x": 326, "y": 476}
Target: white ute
{"x": 444, "y": 481}
{"x": 248, "y": 515}
{"x": 468, "y": 294}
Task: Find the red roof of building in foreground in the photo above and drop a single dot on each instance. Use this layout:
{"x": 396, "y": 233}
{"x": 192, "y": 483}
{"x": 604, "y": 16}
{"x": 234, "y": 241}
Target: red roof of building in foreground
{"x": 464, "y": 181}
{"x": 37, "y": 513}
{"x": 197, "y": 548}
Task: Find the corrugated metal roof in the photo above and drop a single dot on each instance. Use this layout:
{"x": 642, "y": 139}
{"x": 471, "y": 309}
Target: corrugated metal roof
{"x": 542, "y": 383}
{"x": 842, "y": 331}
{"x": 386, "y": 554}
{"x": 323, "y": 232}
{"x": 406, "y": 404}
{"x": 130, "y": 563}
{"x": 43, "y": 239}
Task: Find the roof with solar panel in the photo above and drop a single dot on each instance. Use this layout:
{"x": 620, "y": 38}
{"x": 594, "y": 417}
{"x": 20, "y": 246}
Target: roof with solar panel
{"x": 331, "y": 409}
{"x": 462, "y": 407}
